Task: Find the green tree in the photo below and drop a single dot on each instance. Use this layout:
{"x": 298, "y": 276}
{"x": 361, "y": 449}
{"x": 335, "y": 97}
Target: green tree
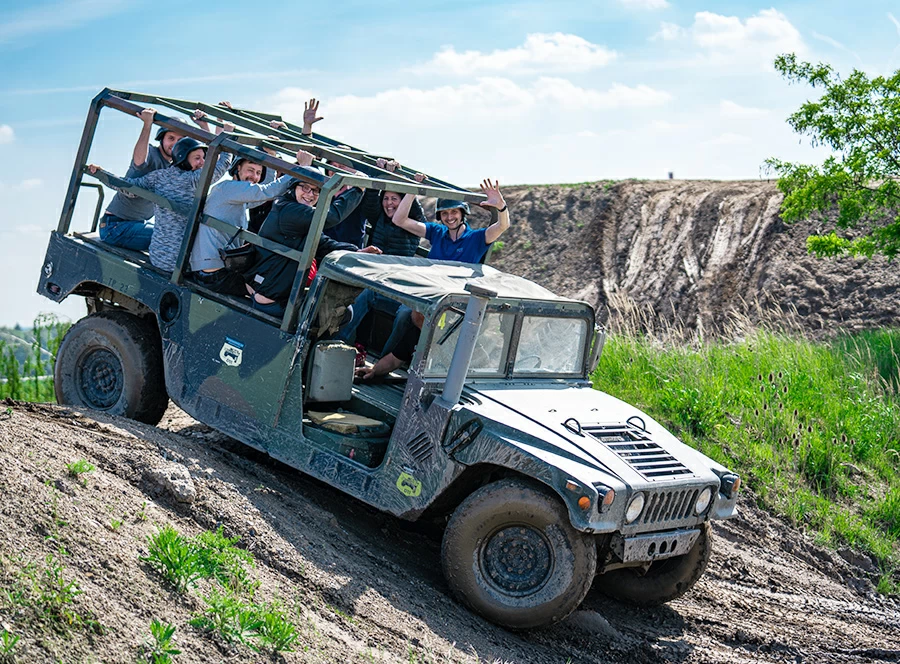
{"x": 858, "y": 118}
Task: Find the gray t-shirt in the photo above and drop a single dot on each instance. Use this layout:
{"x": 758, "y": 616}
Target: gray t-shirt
{"x": 138, "y": 209}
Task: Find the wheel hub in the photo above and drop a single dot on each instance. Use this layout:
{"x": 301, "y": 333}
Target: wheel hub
{"x": 101, "y": 379}
{"x": 517, "y": 560}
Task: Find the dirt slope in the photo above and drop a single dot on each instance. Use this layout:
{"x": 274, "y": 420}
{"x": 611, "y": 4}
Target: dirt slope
{"x": 691, "y": 251}
{"x": 365, "y": 587}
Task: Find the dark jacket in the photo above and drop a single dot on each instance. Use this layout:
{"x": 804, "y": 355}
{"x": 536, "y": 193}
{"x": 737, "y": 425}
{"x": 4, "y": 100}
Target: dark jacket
{"x": 386, "y": 236}
{"x": 288, "y": 224}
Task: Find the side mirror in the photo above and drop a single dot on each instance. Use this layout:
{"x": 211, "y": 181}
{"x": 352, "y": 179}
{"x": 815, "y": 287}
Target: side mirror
{"x": 596, "y": 348}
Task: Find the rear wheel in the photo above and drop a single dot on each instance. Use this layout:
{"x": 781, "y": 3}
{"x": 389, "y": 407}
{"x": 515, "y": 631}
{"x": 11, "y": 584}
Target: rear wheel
{"x": 112, "y": 361}
{"x": 664, "y": 581}
{"x": 511, "y": 554}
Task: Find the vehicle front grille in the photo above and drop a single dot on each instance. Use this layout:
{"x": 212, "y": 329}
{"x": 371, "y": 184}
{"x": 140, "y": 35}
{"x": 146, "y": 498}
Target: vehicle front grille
{"x": 667, "y": 506}
{"x": 632, "y": 445}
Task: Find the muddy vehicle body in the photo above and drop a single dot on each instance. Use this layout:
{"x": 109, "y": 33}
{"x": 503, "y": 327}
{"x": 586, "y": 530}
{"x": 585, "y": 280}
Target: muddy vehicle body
{"x": 547, "y": 485}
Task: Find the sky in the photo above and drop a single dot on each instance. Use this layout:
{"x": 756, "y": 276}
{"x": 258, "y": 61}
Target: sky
{"x": 525, "y": 92}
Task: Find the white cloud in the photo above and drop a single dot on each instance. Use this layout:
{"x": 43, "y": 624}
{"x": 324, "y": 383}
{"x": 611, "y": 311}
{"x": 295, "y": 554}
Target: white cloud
{"x": 7, "y": 135}
{"x": 546, "y": 53}
{"x": 30, "y": 183}
{"x": 758, "y": 39}
{"x": 729, "y": 138}
{"x": 487, "y": 98}
{"x": 54, "y": 17}
{"x": 730, "y": 109}
{"x": 895, "y": 22}
{"x": 668, "y": 32}
{"x": 645, "y": 4}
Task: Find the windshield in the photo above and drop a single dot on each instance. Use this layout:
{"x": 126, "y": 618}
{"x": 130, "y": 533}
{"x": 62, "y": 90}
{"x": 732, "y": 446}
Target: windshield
{"x": 550, "y": 345}
{"x": 546, "y": 345}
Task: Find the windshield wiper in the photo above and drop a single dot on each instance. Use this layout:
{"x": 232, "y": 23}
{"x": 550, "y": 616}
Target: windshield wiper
{"x": 455, "y": 324}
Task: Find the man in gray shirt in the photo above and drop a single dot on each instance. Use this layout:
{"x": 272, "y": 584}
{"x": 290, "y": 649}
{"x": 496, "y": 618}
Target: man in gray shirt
{"x": 230, "y": 201}
{"x": 125, "y": 222}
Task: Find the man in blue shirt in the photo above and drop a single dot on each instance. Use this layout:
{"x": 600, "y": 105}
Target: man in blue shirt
{"x": 453, "y": 239}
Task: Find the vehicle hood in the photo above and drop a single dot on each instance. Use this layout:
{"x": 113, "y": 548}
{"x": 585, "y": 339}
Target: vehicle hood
{"x": 540, "y": 413}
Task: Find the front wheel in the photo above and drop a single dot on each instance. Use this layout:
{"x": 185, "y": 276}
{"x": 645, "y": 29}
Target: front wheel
{"x": 511, "y": 555}
{"x": 664, "y": 581}
{"x": 112, "y": 361}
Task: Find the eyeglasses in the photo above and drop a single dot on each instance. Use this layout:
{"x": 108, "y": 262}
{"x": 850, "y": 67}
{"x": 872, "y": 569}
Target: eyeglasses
{"x": 308, "y": 188}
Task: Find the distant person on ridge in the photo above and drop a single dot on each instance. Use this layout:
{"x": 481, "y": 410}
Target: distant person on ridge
{"x": 125, "y": 222}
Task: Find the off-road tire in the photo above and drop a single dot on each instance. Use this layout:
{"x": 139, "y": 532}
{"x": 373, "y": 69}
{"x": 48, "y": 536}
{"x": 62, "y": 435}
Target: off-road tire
{"x": 665, "y": 580}
{"x": 112, "y": 361}
{"x": 510, "y": 554}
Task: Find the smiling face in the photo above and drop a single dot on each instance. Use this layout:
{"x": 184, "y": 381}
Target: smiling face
{"x": 307, "y": 194}
{"x": 169, "y": 139}
{"x": 196, "y": 158}
{"x": 452, "y": 218}
{"x": 249, "y": 172}
{"x": 389, "y": 203}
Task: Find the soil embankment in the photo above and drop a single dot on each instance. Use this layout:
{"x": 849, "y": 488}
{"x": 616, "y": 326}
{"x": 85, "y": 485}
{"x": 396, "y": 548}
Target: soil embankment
{"x": 692, "y": 252}
{"x": 362, "y": 586}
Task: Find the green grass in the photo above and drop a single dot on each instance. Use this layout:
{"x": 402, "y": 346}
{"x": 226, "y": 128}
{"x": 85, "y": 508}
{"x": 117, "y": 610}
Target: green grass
{"x": 26, "y": 359}
{"x": 159, "y": 648}
{"x": 813, "y": 428}
{"x": 78, "y": 468}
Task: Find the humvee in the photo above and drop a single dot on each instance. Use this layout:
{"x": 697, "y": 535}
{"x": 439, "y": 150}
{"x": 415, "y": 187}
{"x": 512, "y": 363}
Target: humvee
{"x": 547, "y": 486}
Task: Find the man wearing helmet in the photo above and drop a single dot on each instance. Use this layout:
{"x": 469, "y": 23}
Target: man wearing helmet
{"x": 177, "y": 184}
{"x": 452, "y": 239}
{"x": 230, "y": 201}
{"x": 125, "y": 223}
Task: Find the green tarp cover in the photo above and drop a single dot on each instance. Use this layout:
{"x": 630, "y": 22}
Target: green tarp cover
{"x": 421, "y": 282}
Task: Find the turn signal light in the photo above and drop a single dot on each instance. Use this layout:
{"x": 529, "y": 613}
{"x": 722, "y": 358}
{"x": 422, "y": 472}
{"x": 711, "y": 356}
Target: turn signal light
{"x": 584, "y": 503}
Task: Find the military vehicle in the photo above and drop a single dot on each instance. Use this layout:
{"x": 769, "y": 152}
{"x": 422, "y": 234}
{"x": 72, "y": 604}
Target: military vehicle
{"x": 547, "y": 486}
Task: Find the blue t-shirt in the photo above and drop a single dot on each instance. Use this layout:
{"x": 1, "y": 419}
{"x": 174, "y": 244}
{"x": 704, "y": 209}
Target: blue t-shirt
{"x": 470, "y": 247}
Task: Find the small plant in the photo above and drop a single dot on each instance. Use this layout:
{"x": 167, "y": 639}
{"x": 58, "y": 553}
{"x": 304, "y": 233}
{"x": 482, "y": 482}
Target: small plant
{"x": 8, "y": 643}
{"x": 78, "y": 468}
{"x": 498, "y": 246}
{"x": 275, "y": 630}
{"x": 176, "y": 558}
{"x": 115, "y": 524}
{"x": 159, "y": 648}
{"x": 229, "y": 617}
{"x": 142, "y": 514}
{"x": 527, "y": 245}
{"x": 225, "y": 562}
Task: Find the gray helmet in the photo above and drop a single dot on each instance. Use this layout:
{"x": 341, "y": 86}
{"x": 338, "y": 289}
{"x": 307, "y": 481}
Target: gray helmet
{"x": 182, "y": 148}
{"x": 233, "y": 171}
{"x": 449, "y": 204}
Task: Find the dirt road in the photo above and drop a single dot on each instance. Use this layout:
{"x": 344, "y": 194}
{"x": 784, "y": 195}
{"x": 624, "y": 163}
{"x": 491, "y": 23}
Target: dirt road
{"x": 362, "y": 586}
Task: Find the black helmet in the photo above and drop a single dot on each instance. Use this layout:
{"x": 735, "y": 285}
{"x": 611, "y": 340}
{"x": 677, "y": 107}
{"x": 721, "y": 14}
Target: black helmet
{"x": 162, "y": 132}
{"x": 233, "y": 171}
{"x": 182, "y": 148}
{"x": 449, "y": 204}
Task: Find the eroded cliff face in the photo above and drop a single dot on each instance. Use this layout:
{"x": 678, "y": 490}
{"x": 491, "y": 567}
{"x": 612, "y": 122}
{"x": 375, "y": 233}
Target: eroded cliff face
{"x": 692, "y": 252}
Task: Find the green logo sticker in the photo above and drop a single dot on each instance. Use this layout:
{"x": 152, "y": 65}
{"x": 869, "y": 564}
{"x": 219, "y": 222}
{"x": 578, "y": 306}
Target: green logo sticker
{"x": 409, "y": 485}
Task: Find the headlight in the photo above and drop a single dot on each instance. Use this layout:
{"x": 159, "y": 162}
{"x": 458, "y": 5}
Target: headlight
{"x": 703, "y": 501}
{"x": 635, "y": 507}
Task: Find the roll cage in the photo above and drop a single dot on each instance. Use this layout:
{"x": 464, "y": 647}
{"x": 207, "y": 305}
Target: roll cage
{"x": 252, "y": 133}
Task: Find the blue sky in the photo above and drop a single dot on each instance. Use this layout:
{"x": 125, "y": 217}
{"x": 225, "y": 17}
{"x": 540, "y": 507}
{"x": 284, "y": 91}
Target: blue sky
{"x": 527, "y": 92}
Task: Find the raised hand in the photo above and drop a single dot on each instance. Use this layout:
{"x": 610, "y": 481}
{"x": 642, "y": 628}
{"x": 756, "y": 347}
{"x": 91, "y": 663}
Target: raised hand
{"x": 198, "y": 115}
{"x": 147, "y": 116}
{"x": 93, "y": 168}
{"x": 494, "y": 197}
{"x": 228, "y": 126}
{"x": 391, "y": 165}
{"x": 305, "y": 158}
{"x": 310, "y": 109}
{"x": 420, "y": 177}
{"x": 226, "y": 104}
{"x": 278, "y": 124}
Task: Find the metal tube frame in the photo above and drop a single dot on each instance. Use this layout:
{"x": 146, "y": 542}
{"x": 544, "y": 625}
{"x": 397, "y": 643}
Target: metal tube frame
{"x": 249, "y": 146}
